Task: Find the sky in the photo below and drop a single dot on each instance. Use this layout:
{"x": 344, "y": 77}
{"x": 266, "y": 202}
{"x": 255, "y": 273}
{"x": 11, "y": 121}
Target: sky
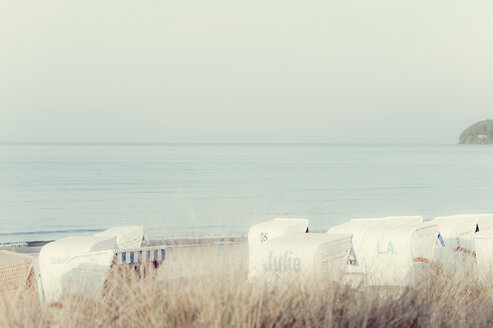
{"x": 329, "y": 71}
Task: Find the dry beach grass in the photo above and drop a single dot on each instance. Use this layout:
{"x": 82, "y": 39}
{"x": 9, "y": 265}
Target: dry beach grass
{"x": 208, "y": 287}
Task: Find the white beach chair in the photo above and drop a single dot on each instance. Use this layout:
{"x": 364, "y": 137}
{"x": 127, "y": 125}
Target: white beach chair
{"x": 459, "y": 254}
{"x": 16, "y": 276}
{"x": 389, "y": 251}
{"x": 84, "y": 265}
{"x": 283, "y": 247}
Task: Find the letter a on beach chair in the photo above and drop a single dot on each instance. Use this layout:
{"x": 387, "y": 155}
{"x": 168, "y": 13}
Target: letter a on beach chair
{"x": 16, "y": 275}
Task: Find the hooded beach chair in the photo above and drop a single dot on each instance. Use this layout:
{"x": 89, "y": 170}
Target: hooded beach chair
{"x": 86, "y": 265}
{"x": 459, "y": 254}
{"x": 284, "y": 247}
{"x": 389, "y": 251}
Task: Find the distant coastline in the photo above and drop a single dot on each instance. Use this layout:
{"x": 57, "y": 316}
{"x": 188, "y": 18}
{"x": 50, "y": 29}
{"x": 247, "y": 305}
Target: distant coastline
{"x": 480, "y": 133}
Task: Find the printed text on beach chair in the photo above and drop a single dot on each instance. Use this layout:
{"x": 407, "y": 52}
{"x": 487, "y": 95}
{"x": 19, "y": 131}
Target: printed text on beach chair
{"x": 283, "y": 247}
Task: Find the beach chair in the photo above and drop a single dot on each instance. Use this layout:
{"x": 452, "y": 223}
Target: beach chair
{"x": 16, "y": 276}
{"x": 389, "y": 251}
{"x": 458, "y": 232}
{"x": 284, "y": 247}
{"x": 85, "y": 266}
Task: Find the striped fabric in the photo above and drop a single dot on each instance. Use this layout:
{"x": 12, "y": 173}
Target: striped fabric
{"x": 140, "y": 255}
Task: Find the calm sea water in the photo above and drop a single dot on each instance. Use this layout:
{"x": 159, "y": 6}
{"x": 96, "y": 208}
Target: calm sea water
{"x": 54, "y": 190}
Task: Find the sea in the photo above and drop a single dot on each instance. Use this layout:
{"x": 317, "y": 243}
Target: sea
{"x": 52, "y": 190}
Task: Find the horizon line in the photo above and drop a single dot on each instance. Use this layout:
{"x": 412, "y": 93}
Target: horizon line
{"x": 157, "y": 143}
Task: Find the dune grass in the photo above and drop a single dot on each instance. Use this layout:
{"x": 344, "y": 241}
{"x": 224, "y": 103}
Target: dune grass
{"x": 225, "y": 298}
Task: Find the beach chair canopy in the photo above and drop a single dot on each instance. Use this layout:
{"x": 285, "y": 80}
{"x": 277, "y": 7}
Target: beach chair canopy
{"x": 126, "y": 236}
{"x": 276, "y": 228}
{"x": 390, "y": 251}
{"x": 361, "y": 224}
{"x": 16, "y": 275}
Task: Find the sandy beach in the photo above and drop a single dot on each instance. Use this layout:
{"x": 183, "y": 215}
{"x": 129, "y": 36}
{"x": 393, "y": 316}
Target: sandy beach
{"x": 185, "y": 262}
{"x": 185, "y": 257}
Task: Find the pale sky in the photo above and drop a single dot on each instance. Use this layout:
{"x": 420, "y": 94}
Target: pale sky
{"x": 348, "y": 71}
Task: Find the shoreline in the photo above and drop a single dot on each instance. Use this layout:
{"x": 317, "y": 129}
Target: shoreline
{"x": 34, "y": 247}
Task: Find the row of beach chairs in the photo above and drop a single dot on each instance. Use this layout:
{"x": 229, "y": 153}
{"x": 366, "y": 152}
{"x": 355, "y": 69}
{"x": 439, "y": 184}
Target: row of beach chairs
{"x": 391, "y": 251}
